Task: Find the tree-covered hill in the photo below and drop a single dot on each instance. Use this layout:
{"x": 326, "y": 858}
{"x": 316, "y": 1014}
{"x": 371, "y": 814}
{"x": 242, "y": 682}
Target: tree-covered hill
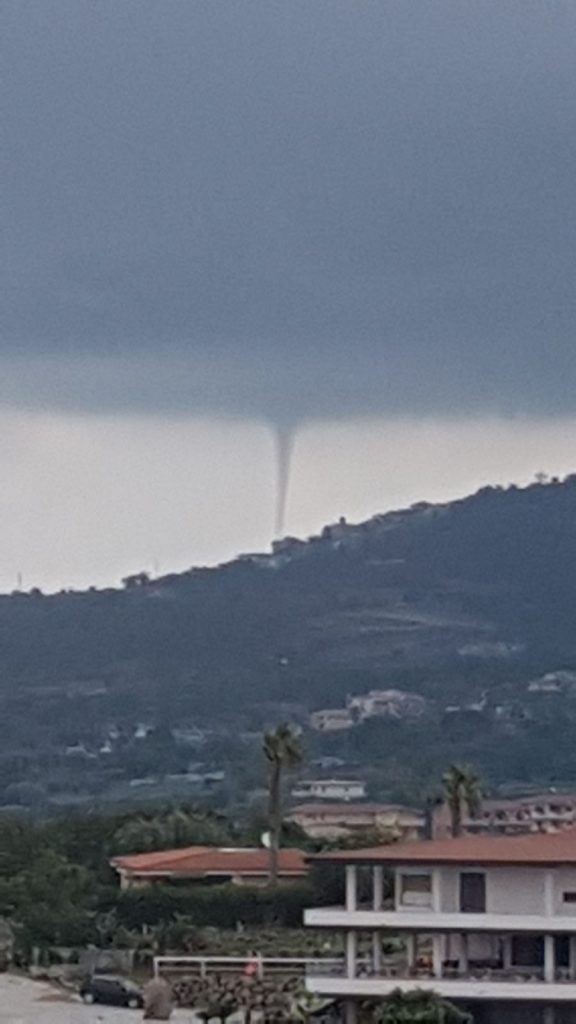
{"x": 441, "y": 599}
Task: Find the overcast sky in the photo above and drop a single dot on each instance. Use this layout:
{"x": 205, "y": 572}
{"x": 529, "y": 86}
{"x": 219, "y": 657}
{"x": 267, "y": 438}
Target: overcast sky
{"x": 355, "y": 219}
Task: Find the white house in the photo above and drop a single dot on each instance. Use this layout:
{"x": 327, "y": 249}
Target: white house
{"x": 329, "y": 789}
{"x": 487, "y": 922}
{"x": 387, "y": 703}
{"x": 331, "y": 720}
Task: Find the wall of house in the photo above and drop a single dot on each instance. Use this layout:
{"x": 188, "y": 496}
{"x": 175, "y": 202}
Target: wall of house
{"x": 515, "y": 891}
{"x": 508, "y": 890}
{"x": 564, "y": 881}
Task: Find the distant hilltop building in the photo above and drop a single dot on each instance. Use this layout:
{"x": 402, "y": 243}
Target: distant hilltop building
{"x": 553, "y": 682}
{"x": 341, "y": 820}
{"x": 491, "y": 649}
{"x": 391, "y": 703}
{"x": 331, "y": 720}
{"x": 374, "y": 704}
{"x": 329, "y": 789}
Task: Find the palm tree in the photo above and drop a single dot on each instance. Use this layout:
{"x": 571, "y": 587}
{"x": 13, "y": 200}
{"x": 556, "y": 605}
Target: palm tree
{"x": 418, "y": 1008}
{"x": 283, "y": 751}
{"x": 462, "y": 790}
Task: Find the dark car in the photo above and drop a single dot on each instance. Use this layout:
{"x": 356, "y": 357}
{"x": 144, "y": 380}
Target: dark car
{"x": 103, "y": 988}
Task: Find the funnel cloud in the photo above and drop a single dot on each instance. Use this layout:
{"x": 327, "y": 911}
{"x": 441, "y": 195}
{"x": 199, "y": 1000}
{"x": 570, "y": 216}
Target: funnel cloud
{"x": 301, "y": 217}
{"x": 284, "y": 440}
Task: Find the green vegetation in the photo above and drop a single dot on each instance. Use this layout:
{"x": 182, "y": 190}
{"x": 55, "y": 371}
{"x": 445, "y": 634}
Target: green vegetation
{"x": 418, "y": 1008}
{"x": 127, "y": 695}
{"x": 462, "y": 791}
{"x": 176, "y": 827}
{"x": 57, "y": 889}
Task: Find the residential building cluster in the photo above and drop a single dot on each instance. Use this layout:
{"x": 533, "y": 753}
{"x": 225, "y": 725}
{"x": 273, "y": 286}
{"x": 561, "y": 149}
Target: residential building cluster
{"x": 374, "y": 704}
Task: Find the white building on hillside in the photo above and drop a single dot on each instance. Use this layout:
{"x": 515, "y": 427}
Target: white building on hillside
{"x": 339, "y": 820}
{"x": 489, "y": 923}
{"x": 329, "y": 789}
{"x": 331, "y": 720}
{"x": 387, "y": 703}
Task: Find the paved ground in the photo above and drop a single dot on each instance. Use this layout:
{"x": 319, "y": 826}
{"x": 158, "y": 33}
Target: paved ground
{"x": 31, "y": 1002}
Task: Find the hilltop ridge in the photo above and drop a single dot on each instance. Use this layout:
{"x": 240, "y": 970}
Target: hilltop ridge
{"x": 446, "y": 600}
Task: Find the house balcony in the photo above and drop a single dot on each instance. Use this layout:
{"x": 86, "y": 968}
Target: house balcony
{"x": 489, "y": 984}
{"x": 427, "y": 921}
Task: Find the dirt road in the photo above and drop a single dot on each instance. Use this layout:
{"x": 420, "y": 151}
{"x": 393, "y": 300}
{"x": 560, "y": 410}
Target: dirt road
{"x": 30, "y": 1002}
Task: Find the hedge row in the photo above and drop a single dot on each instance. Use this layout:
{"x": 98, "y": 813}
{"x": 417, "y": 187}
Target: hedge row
{"x": 221, "y": 906}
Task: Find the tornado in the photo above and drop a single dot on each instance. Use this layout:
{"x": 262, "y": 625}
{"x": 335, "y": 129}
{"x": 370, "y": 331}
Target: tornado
{"x": 284, "y": 438}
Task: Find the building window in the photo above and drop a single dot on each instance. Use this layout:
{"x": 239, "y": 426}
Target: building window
{"x": 415, "y": 890}
{"x": 569, "y": 897}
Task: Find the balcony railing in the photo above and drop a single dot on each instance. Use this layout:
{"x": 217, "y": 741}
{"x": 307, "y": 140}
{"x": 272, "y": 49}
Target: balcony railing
{"x": 400, "y": 972}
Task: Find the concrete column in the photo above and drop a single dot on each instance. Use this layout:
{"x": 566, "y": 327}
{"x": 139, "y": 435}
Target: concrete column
{"x": 437, "y": 955}
{"x": 378, "y": 886}
{"x": 350, "y": 1013}
{"x": 572, "y": 961}
{"x": 549, "y": 888}
{"x": 411, "y": 951}
{"x": 507, "y": 952}
{"x": 436, "y": 891}
{"x": 351, "y": 887}
{"x": 549, "y": 958}
{"x": 351, "y": 946}
{"x": 463, "y": 958}
{"x": 549, "y": 1016}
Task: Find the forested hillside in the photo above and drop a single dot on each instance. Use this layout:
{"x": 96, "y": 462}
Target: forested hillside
{"x": 445, "y": 600}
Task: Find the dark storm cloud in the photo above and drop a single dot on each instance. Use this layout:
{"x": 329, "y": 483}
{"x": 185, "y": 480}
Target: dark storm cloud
{"x": 288, "y": 207}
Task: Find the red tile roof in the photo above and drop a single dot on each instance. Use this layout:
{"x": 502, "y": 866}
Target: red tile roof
{"x": 198, "y": 861}
{"x": 542, "y": 848}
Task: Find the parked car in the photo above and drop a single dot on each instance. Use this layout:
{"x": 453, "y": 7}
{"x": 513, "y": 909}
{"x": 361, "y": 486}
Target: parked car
{"x": 102, "y": 988}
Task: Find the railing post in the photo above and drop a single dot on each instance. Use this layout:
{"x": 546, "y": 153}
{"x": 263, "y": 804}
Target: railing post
{"x": 437, "y": 954}
{"x": 378, "y": 886}
{"x": 549, "y": 958}
{"x": 351, "y": 887}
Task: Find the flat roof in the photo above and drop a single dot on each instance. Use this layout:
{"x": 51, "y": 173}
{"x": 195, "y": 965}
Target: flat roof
{"x": 535, "y": 849}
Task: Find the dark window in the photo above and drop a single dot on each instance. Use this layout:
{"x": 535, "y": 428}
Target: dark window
{"x": 562, "y": 951}
{"x": 569, "y": 897}
{"x": 472, "y": 892}
{"x": 527, "y": 951}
